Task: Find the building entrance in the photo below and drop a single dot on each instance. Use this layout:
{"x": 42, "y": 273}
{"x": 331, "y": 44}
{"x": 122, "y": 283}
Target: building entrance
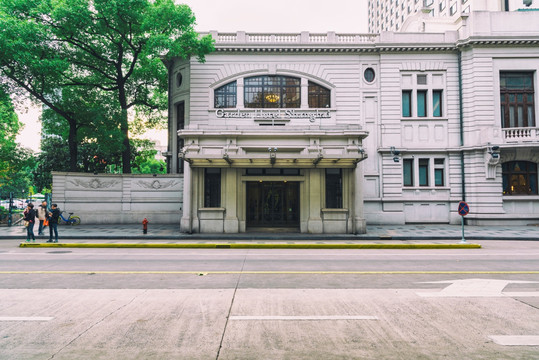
{"x": 273, "y": 204}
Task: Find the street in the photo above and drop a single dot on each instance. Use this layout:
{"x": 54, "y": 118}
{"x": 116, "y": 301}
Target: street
{"x": 270, "y": 304}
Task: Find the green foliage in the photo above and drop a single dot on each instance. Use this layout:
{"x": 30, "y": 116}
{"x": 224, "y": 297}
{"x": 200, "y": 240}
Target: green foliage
{"x": 16, "y": 163}
{"x": 90, "y": 61}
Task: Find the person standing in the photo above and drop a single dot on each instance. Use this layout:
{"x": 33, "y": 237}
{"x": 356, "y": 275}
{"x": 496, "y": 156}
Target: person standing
{"x": 30, "y": 217}
{"x": 42, "y": 214}
{"x": 53, "y": 216}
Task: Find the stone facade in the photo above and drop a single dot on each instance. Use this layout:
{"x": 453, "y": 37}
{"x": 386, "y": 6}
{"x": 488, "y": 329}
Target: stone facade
{"x": 398, "y": 162}
{"x": 119, "y": 199}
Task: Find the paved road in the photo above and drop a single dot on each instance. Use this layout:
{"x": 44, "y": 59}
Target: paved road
{"x": 270, "y": 304}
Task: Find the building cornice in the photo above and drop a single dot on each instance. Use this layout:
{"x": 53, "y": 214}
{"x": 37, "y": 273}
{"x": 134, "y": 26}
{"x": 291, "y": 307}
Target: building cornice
{"x": 305, "y": 42}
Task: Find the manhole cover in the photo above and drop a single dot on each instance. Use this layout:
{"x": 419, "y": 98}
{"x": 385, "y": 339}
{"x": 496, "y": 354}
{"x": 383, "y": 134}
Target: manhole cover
{"x": 58, "y": 252}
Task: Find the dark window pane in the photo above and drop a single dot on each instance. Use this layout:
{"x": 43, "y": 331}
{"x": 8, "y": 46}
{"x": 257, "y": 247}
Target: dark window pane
{"x": 421, "y": 103}
{"x": 212, "y": 187}
{"x": 334, "y": 188}
{"x": 437, "y": 103}
{"x": 519, "y": 178}
{"x": 272, "y": 92}
{"x": 438, "y": 177}
{"x": 408, "y": 172}
{"x": 225, "y": 96}
{"x": 423, "y": 172}
{"x": 319, "y": 97}
{"x": 517, "y": 99}
{"x": 406, "y": 103}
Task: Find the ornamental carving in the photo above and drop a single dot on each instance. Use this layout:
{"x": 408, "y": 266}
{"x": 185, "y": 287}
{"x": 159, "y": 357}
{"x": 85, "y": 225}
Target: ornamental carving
{"x": 157, "y": 185}
{"x": 94, "y": 183}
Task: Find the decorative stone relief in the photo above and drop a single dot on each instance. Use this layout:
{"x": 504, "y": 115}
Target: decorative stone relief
{"x": 94, "y": 183}
{"x": 156, "y": 184}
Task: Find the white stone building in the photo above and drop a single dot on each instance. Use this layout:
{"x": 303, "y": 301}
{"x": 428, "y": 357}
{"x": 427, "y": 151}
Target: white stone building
{"x": 396, "y": 15}
{"x": 323, "y": 133}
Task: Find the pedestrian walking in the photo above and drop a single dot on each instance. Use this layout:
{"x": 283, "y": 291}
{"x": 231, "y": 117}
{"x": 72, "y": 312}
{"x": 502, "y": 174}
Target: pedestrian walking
{"x": 53, "y": 216}
{"x": 30, "y": 218}
{"x": 42, "y": 215}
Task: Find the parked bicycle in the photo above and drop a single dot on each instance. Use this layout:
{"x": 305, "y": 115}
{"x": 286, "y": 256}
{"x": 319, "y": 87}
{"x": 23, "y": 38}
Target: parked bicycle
{"x": 71, "y": 219}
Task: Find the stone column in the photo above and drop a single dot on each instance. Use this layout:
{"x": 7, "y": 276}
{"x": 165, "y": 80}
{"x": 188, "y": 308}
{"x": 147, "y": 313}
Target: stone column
{"x": 314, "y": 223}
{"x": 185, "y": 223}
{"x": 231, "y": 224}
{"x": 360, "y": 225}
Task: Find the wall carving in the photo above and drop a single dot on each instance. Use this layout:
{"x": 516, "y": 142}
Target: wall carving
{"x": 157, "y": 185}
{"x": 94, "y": 183}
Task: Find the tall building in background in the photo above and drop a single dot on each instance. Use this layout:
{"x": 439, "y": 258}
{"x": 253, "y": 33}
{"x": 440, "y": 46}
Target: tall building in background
{"x": 393, "y": 15}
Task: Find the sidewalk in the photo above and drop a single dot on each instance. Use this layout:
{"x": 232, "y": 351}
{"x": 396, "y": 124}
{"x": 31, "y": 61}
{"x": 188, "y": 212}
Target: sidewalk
{"x": 374, "y": 232}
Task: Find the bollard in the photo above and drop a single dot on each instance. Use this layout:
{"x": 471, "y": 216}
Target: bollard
{"x": 145, "y": 226}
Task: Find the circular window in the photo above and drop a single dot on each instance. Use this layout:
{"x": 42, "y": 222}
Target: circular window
{"x": 368, "y": 75}
{"x": 179, "y": 79}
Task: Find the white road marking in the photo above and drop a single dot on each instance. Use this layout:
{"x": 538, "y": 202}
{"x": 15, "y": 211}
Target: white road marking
{"x": 303, "y": 318}
{"x": 25, "y": 318}
{"x": 477, "y": 288}
{"x": 516, "y": 340}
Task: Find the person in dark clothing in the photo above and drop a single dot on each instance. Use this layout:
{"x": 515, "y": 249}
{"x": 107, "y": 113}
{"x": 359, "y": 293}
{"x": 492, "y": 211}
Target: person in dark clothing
{"x": 54, "y": 214}
{"x": 30, "y": 217}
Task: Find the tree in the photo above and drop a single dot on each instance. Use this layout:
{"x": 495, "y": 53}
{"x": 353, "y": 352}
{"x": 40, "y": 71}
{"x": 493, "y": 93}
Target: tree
{"x": 114, "y": 46}
{"x": 15, "y": 162}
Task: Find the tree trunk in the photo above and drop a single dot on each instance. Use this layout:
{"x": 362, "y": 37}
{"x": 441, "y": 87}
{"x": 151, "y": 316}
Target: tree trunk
{"x": 126, "y": 154}
{"x": 73, "y": 145}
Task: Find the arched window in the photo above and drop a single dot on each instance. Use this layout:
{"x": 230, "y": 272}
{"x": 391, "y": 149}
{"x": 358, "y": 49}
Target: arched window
{"x": 225, "y": 96}
{"x": 519, "y": 178}
{"x": 319, "y": 96}
{"x": 272, "y": 92}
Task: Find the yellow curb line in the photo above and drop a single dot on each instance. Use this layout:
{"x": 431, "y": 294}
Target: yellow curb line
{"x": 48, "y": 272}
{"x": 251, "y": 246}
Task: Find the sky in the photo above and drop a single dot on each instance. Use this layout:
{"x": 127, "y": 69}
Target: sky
{"x": 273, "y": 16}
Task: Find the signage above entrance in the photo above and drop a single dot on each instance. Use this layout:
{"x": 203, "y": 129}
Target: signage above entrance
{"x": 312, "y": 115}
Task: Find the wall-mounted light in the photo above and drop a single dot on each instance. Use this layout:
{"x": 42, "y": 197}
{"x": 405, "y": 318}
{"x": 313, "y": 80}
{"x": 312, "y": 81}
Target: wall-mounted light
{"x": 227, "y": 159}
{"x": 494, "y": 151}
{"x": 395, "y": 153}
{"x": 273, "y": 154}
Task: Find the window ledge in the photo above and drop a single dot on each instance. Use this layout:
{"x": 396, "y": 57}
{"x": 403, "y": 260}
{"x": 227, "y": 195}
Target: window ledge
{"x": 441, "y": 118}
{"x": 428, "y": 188}
{"x": 520, "y": 197}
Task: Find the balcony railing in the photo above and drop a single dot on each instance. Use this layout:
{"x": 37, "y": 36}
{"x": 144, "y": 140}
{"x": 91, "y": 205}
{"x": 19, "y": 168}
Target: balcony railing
{"x": 241, "y": 37}
{"x": 524, "y": 134}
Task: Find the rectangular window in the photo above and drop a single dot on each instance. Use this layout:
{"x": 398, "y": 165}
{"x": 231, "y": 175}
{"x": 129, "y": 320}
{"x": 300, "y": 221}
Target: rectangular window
{"x": 423, "y": 172}
{"x": 519, "y": 178}
{"x": 407, "y": 103}
{"x": 517, "y": 99}
{"x": 180, "y": 124}
{"x": 453, "y": 9}
{"x": 439, "y": 172}
{"x": 422, "y": 103}
{"x": 334, "y": 188}
{"x": 408, "y": 172}
{"x": 212, "y": 187}
{"x": 437, "y": 103}
{"x": 442, "y": 5}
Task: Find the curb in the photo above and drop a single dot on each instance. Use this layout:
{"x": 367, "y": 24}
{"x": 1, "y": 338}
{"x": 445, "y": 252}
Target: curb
{"x": 252, "y": 246}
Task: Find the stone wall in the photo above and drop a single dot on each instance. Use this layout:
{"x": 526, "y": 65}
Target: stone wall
{"x": 120, "y": 198}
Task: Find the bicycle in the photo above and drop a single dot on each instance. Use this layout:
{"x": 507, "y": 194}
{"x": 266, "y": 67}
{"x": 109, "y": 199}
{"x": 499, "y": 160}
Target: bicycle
{"x": 71, "y": 219}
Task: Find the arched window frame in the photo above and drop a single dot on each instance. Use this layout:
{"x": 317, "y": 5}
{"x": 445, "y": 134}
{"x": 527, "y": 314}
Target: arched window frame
{"x": 319, "y": 96}
{"x": 225, "y": 96}
{"x": 311, "y": 94}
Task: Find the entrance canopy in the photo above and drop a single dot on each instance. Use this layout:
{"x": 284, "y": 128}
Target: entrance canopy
{"x": 274, "y": 147}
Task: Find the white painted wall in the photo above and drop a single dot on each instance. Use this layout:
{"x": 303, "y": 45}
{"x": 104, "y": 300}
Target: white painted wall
{"x": 119, "y": 199}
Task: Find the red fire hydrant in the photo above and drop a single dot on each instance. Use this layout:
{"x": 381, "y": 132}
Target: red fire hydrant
{"x": 145, "y": 226}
